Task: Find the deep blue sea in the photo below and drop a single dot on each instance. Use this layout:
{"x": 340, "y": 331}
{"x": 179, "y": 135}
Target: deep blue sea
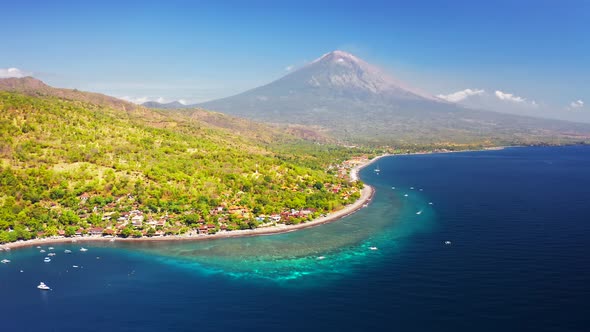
{"x": 519, "y": 260}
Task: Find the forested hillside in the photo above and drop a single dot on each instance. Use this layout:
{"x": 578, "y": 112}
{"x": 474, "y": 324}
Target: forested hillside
{"x": 70, "y": 166}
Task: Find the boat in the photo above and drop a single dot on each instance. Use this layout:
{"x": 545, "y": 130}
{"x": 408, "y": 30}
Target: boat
{"x": 47, "y": 260}
{"x": 421, "y": 189}
{"x": 419, "y": 212}
{"x": 67, "y": 251}
{"x": 5, "y": 261}
{"x": 83, "y": 249}
{"x": 447, "y": 242}
{"x": 42, "y": 286}
{"x": 42, "y": 251}
{"x": 412, "y": 188}
{"x": 373, "y": 248}
{"x": 429, "y": 203}
{"x": 75, "y": 266}
{"x": 392, "y": 188}
{"x": 321, "y": 257}
{"x": 377, "y": 170}
{"x": 50, "y": 248}
{"x": 51, "y": 254}
{"x": 38, "y": 247}
{"x": 406, "y": 195}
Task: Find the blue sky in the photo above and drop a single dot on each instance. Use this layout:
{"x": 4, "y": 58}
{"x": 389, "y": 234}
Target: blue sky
{"x": 534, "y": 50}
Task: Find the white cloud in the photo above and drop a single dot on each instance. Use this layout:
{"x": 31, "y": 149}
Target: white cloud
{"x": 289, "y": 68}
{"x": 182, "y": 101}
{"x": 13, "y": 72}
{"x": 509, "y": 97}
{"x": 135, "y": 100}
{"x": 160, "y": 100}
{"x": 458, "y": 96}
{"x": 577, "y": 104}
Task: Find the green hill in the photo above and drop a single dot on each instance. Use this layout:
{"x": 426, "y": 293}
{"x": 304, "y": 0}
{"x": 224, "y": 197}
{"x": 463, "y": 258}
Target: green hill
{"x": 73, "y": 164}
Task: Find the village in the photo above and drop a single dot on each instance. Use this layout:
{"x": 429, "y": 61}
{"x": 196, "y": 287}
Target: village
{"x": 125, "y": 217}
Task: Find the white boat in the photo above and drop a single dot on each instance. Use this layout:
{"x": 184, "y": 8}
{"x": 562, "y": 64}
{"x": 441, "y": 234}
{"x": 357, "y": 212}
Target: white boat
{"x": 419, "y": 212}
{"x": 50, "y": 248}
{"x": 42, "y": 286}
{"x": 406, "y": 195}
{"x": 429, "y": 203}
{"x": 42, "y": 251}
{"x": 83, "y": 249}
{"x": 51, "y": 254}
{"x": 47, "y": 260}
{"x": 67, "y": 251}
{"x": 75, "y": 266}
{"x": 5, "y": 261}
{"x": 373, "y": 248}
{"x": 321, "y": 257}
{"x": 447, "y": 242}
{"x": 38, "y": 247}
{"x": 392, "y": 188}
{"x": 412, "y": 188}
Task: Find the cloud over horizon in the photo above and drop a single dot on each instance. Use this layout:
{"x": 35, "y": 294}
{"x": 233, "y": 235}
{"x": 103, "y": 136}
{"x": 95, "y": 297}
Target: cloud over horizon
{"x": 487, "y": 100}
{"x": 139, "y": 100}
{"x": 458, "y": 96}
{"x": 13, "y": 72}
{"x": 513, "y": 98}
{"x": 577, "y": 104}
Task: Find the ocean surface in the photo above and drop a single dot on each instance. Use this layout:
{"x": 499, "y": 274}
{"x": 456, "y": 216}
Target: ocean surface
{"x": 518, "y": 222}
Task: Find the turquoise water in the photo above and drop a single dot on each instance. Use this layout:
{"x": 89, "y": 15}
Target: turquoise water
{"x": 310, "y": 256}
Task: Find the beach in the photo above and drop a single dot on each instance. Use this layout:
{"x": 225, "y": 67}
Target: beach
{"x": 366, "y": 195}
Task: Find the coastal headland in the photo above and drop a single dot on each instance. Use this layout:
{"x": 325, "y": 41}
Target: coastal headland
{"x": 366, "y": 195}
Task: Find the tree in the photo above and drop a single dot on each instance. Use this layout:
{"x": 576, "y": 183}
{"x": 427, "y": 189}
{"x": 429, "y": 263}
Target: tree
{"x": 69, "y": 218}
{"x": 126, "y": 232}
{"x": 70, "y": 231}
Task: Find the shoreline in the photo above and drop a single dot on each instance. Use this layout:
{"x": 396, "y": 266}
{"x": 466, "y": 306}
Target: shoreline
{"x": 367, "y": 194}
